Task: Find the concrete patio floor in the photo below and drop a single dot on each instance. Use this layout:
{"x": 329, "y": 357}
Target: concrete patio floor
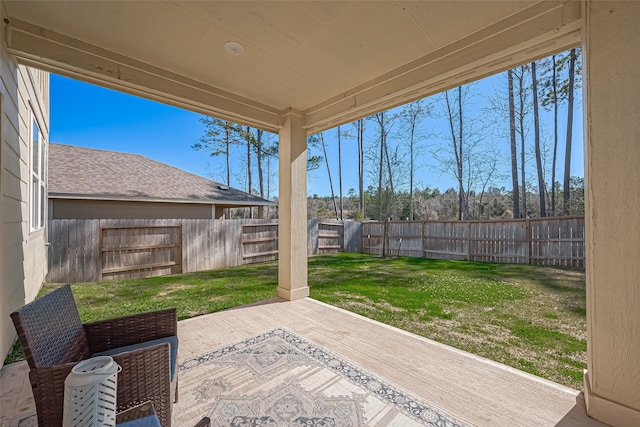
{"x": 476, "y": 389}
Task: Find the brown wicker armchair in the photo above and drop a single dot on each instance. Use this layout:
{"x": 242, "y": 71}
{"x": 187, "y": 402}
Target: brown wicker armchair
{"x": 54, "y": 340}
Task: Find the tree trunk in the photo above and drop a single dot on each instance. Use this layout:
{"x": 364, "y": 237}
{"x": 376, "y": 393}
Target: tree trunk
{"x": 555, "y": 137}
{"x": 326, "y": 161}
{"x": 249, "y": 183}
{"x": 340, "y": 175}
{"x": 514, "y": 149}
{"x": 259, "y": 158}
{"x": 227, "y": 213}
{"x": 522, "y": 142}
{"x": 457, "y": 153}
{"x": 386, "y": 153}
{"x": 536, "y": 125}
{"x": 380, "y": 118}
{"x": 567, "y": 155}
{"x": 227, "y": 152}
{"x": 411, "y": 142}
{"x": 464, "y": 214}
{"x": 361, "y": 165}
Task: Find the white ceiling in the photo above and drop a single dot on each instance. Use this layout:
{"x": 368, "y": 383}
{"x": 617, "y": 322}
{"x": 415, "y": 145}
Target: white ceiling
{"x": 330, "y": 60}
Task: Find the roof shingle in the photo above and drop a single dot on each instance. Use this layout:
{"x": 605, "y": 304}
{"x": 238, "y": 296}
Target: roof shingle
{"x": 88, "y": 173}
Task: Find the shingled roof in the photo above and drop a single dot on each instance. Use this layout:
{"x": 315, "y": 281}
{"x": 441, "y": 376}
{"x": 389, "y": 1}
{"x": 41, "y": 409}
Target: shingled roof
{"x": 87, "y": 173}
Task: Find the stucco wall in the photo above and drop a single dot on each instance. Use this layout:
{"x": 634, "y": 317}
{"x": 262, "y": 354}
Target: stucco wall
{"x": 23, "y": 255}
{"x": 105, "y": 209}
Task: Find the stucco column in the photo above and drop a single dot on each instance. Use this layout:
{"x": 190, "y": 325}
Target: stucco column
{"x": 611, "y": 42}
{"x": 292, "y": 209}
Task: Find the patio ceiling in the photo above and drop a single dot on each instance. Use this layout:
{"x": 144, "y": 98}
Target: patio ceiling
{"x": 331, "y": 61}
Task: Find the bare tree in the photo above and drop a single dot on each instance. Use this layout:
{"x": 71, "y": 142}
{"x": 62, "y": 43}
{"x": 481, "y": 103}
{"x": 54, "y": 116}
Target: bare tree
{"x": 465, "y": 152}
{"x": 340, "y": 174}
{"x": 249, "y": 139}
{"x": 360, "y": 128}
{"x": 536, "y": 124}
{"x": 326, "y": 160}
{"x": 385, "y": 123}
{"x": 514, "y": 148}
{"x": 555, "y": 138}
{"x": 259, "y": 154}
{"x": 412, "y": 115}
{"x": 522, "y": 111}
{"x": 457, "y": 141}
{"x": 567, "y": 156}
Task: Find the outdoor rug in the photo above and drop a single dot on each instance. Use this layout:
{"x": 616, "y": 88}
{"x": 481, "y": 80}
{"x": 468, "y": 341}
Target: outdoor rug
{"x": 279, "y": 379}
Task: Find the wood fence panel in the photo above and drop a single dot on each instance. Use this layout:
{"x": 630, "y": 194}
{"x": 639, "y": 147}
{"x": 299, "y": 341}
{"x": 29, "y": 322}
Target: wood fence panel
{"x": 259, "y": 242}
{"x": 219, "y": 244}
{"x": 558, "y": 241}
{"x": 330, "y": 237}
{"x": 541, "y": 241}
{"x": 445, "y": 240}
{"x": 353, "y": 236}
{"x": 137, "y": 251}
{"x": 372, "y": 238}
{"x": 312, "y": 237}
{"x": 499, "y": 241}
{"x": 404, "y": 239}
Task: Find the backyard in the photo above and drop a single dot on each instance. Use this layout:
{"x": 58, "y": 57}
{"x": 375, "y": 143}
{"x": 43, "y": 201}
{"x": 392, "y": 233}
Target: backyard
{"x": 531, "y": 318}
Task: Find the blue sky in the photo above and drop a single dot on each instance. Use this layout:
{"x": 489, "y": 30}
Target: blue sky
{"x": 91, "y": 116}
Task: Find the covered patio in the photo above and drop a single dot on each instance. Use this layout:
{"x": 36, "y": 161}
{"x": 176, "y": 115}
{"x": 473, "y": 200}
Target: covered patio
{"x": 297, "y": 68}
{"x": 478, "y": 390}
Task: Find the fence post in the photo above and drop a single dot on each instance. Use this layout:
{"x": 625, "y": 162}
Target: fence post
{"x": 424, "y": 236}
{"x": 468, "y": 240}
{"x": 179, "y": 249}
{"x": 527, "y": 231}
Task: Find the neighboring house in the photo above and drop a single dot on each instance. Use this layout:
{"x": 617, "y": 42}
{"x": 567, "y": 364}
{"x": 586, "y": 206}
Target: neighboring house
{"x": 85, "y": 183}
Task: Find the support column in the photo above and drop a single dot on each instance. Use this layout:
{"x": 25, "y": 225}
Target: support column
{"x": 612, "y": 130}
{"x": 292, "y": 209}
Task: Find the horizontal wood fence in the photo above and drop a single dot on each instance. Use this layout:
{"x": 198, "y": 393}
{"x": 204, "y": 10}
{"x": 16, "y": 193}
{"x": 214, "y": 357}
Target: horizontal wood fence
{"x": 539, "y": 241}
{"x": 143, "y": 251}
{"x": 92, "y": 250}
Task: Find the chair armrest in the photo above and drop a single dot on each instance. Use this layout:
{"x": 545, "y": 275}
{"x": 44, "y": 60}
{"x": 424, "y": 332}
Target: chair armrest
{"x": 127, "y": 330}
{"x": 135, "y": 413}
{"x": 205, "y": 422}
{"x": 144, "y": 377}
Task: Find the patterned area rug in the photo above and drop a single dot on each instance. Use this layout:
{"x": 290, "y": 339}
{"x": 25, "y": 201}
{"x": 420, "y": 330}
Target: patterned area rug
{"x": 279, "y": 379}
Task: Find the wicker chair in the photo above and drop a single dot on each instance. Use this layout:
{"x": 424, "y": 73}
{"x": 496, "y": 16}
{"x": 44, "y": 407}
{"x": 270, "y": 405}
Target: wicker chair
{"x": 54, "y": 340}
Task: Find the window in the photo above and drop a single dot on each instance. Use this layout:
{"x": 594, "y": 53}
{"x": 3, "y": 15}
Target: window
{"x": 38, "y": 181}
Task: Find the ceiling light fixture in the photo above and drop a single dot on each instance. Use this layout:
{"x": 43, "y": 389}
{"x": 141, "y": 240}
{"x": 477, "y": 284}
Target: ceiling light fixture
{"x": 234, "y": 48}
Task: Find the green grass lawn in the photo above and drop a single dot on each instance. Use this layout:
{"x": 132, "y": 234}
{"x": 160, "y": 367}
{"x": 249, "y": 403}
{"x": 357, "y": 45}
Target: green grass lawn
{"x": 531, "y": 318}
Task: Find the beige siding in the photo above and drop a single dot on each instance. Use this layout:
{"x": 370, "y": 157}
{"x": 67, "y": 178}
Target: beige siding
{"x": 105, "y": 209}
{"x": 23, "y": 255}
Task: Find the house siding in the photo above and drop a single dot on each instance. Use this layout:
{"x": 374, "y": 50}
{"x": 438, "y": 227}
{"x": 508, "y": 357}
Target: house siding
{"x": 24, "y": 94}
{"x": 108, "y": 209}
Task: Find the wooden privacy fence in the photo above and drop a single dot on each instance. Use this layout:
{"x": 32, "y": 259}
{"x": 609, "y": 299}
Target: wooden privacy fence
{"x": 143, "y": 251}
{"x": 539, "y": 241}
{"x": 92, "y": 250}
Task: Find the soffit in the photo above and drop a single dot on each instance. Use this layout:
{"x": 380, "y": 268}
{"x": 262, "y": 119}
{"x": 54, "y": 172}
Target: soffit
{"x": 298, "y": 55}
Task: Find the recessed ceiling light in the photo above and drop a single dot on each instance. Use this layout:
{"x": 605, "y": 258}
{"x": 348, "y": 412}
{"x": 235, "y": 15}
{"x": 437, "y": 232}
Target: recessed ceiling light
{"x": 234, "y": 48}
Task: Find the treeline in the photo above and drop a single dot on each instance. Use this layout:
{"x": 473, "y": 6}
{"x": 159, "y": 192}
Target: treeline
{"x": 435, "y": 205}
{"x": 511, "y": 133}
